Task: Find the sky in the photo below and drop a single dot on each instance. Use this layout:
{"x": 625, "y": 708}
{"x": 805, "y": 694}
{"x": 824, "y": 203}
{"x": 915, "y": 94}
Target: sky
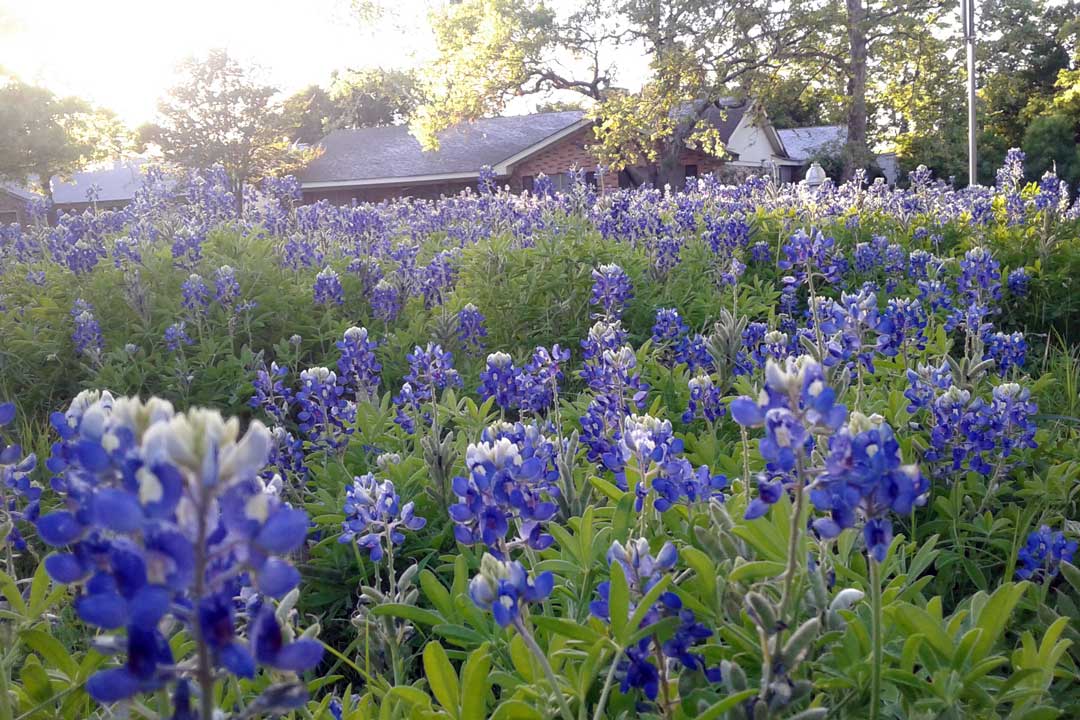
{"x": 122, "y": 54}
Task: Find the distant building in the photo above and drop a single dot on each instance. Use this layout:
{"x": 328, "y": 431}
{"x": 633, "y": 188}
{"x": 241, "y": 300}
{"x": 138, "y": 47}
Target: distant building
{"x": 806, "y": 144}
{"x": 373, "y": 164}
{"x": 107, "y": 188}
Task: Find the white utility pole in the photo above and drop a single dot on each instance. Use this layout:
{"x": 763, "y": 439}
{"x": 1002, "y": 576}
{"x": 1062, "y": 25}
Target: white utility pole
{"x": 968, "y": 9}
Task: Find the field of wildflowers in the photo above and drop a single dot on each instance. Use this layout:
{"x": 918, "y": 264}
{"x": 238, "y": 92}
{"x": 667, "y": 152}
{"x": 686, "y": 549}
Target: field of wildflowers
{"x": 740, "y": 452}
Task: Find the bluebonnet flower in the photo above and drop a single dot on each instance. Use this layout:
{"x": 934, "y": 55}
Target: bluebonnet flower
{"x": 195, "y": 295}
{"x": 733, "y": 273}
{"x": 669, "y": 328}
{"x": 864, "y": 474}
{"x": 271, "y": 394}
{"x": 643, "y": 570}
{"x": 176, "y": 336}
{"x": 503, "y": 587}
{"x": 1052, "y": 194}
{"x": 165, "y": 511}
{"x": 327, "y": 289}
{"x": 900, "y": 326}
{"x": 374, "y": 516}
{"x": 358, "y": 368}
{"x": 1043, "y": 553}
{"x": 1019, "y": 282}
{"x": 812, "y": 253}
{"x": 471, "y": 331}
{"x": 226, "y": 287}
{"x": 923, "y": 384}
{"x": 538, "y": 384}
{"x": 500, "y": 380}
{"x": 324, "y": 415}
{"x": 980, "y": 276}
{"x": 611, "y": 291}
{"x": 431, "y": 370}
{"x": 1006, "y": 350}
{"x": 761, "y": 253}
{"x": 16, "y": 489}
{"x": 510, "y": 482}
{"x": 706, "y": 400}
{"x": 87, "y": 334}
{"x": 385, "y": 301}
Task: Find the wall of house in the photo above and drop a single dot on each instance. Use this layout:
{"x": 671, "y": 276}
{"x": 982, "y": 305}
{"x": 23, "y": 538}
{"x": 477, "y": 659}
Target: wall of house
{"x": 346, "y": 196}
{"x": 12, "y": 209}
{"x": 568, "y": 154}
{"x": 750, "y": 142}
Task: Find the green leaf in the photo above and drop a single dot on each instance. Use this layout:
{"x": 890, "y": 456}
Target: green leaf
{"x": 436, "y": 593}
{"x": 567, "y": 628}
{"x": 408, "y": 612}
{"x": 35, "y": 680}
{"x": 54, "y": 652}
{"x": 441, "y": 677}
{"x": 758, "y": 570}
{"x": 476, "y": 683}
{"x": 995, "y": 616}
{"x": 716, "y": 710}
{"x": 646, "y": 604}
{"x": 516, "y": 710}
{"x": 459, "y": 635}
{"x": 611, "y": 491}
{"x": 413, "y": 696}
{"x": 618, "y": 602}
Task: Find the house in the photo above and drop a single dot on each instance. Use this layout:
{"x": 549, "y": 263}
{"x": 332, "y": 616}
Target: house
{"x": 373, "y": 164}
{"x": 108, "y": 187}
{"x": 806, "y": 144}
{"x": 15, "y": 204}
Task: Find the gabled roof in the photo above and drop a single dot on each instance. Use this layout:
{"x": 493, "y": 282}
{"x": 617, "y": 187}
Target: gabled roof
{"x": 115, "y": 183}
{"x": 18, "y": 191}
{"x": 803, "y": 143}
{"x": 370, "y": 156}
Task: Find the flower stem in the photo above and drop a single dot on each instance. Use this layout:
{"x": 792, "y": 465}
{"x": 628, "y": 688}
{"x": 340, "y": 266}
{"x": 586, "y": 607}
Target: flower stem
{"x": 608, "y": 682}
{"x": 876, "y": 630}
{"x": 793, "y": 541}
{"x": 530, "y": 643}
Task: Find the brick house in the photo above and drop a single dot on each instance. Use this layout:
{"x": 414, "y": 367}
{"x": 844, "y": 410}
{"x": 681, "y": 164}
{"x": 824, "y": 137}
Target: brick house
{"x": 373, "y": 164}
{"x": 14, "y": 204}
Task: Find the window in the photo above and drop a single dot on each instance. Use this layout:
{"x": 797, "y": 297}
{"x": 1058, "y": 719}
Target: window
{"x": 7, "y": 218}
{"x": 562, "y": 182}
{"x": 590, "y": 179}
{"x": 528, "y": 183}
{"x": 691, "y": 170}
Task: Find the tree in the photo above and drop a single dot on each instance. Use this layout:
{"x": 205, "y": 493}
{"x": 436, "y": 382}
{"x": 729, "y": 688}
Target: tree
{"x": 1050, "y": 144}
{"x": 491, "y": 51}
{"x": 848, "y": 43}
{"x": 218, "y": 114}
{"x": 374, "y": 97}
{"x": 355, "y": 99}
{"x": 42, "y": 135}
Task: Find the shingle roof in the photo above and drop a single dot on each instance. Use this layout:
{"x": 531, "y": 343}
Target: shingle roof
{"x": 18, "y": 191}
{"x": 803, "y": 143}
{"x": 116, "y": 183}
{"x": 392, "y": 152}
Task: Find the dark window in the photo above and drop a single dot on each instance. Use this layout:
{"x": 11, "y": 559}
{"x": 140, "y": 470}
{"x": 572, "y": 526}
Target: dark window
{"x": 528, "y": 183}
{"x": 691, "y": 171}
{"x": 590, "y": 179}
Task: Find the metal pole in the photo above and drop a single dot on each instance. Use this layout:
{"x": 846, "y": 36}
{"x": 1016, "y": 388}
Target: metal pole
{"x": 969, "y": 40}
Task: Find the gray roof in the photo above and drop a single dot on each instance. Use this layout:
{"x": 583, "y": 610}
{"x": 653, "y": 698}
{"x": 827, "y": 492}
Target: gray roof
{"x": 392, "y": 152}
{"x": 116, "y": 183}
{"x": 803, "y": 143}
{"x": 18, "y": 191}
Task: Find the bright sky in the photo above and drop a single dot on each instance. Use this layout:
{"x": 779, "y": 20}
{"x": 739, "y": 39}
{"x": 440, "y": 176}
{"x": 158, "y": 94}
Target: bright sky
{"x": 122, "y": 54}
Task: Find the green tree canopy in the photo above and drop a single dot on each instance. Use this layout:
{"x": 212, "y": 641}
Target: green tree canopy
{"x": 219, "y": 114}
{"x": 42, "y": 135}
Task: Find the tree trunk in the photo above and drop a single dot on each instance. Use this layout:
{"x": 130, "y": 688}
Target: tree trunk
{"x": 45, "y": 181}
{"x": 856, "y": 153}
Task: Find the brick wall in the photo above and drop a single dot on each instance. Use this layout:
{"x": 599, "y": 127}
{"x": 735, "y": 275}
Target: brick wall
{"x": 569, "y": 153}
{"x": 346, "y": 196}
{"x": 12, "y": 208}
